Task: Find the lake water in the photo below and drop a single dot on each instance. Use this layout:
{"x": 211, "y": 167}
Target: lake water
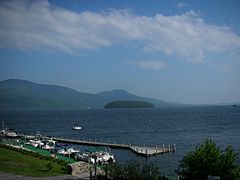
{"x": 186, "y": 127}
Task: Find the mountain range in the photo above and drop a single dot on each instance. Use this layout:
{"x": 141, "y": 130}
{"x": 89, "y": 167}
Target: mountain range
{"x": 16, "y": 93}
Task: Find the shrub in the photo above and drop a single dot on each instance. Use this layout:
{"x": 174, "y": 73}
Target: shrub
{"x": 207, "y": 160}
{"x": 134, "y": 170}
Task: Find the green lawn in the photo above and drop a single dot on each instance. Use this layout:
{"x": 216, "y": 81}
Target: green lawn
{"x": 16, "y": 163}
{"x": 47, "y": 153}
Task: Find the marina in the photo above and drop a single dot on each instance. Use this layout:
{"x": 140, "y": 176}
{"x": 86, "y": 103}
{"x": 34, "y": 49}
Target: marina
{"x": 138, "y": 150}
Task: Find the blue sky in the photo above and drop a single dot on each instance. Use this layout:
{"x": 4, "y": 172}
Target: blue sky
{"x": 185, "y": 51}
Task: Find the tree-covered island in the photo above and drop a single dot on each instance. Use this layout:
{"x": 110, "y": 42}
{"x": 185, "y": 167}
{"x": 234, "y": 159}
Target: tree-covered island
{"x": 128, "y": 104}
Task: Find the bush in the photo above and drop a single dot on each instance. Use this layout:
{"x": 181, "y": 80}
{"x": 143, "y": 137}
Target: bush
{"x": 207, "y": 160}
{"x": 134, "y": 170}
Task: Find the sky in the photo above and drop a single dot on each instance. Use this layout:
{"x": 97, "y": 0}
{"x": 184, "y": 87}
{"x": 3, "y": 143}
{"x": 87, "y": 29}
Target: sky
{"x": 178, "y": 51}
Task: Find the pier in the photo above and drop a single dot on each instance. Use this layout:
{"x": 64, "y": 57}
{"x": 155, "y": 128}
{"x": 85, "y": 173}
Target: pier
{"x": 139, "y": 150}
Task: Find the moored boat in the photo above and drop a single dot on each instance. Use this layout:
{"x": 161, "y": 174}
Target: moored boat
{"x": 76, "y": 127}
{"x": 36, "y": 143}
{"x": 49, "y": 144}
{"x": 7, "y": 132}
{"x": 95, "y": 155}
{"x": 67, "y": 151}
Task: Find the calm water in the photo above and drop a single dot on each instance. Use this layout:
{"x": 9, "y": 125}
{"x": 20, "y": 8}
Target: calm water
{"x": 186, "y": 127}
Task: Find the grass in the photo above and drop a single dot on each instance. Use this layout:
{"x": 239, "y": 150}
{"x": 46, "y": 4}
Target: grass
{"x": 17, "y": 163}
{"x": 47, "y": 153}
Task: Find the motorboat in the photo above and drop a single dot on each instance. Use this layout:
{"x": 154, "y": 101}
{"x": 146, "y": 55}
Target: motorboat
{"x": 102, "y": 157}
{"x": 49, "y": 144}
{"x": 82, "y": 157}
{"x": 67, "y": 151}
{"x": 95, "y": 155}
{"x": 72, "y": 150}
{"x": 36, "y": 143}
{"x": 7, "y": 132}
{"x": 76, "y": 127}
{"x": 63, "y": 152}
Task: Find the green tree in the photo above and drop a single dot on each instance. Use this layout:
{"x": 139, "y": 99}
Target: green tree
{"x": 133, "y": 170}
{"x": 207, "y": 160}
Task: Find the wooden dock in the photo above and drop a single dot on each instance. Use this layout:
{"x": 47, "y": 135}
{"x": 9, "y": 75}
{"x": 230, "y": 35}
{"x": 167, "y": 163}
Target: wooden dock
{"x": 152, "y": 151}
{"x": 139, "y": 150}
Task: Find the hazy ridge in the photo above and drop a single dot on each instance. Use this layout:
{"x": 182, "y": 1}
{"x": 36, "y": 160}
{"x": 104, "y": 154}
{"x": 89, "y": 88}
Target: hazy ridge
{"x": 16, "y": 93}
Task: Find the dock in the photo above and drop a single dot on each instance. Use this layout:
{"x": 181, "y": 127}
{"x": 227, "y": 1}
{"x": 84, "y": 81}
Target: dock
{"x": 139, "y": 150}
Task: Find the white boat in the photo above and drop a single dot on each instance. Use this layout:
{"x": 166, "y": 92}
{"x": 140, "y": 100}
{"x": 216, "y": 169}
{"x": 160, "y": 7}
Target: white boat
{"x": 102, "y": 157}
{"x": 76, "y": 127}
{"x": 63, "y": 152}
{"x": 72, "y": 150}
{"x": 106, "y": 157}
{"x": 48, "y": 147}
{"x": 36, "y": 143}
{"x": 82, "y": 157}
{"x": 7, "y": 132}
{"x": 49, "y": 144}
{"x": 67, "y": 151}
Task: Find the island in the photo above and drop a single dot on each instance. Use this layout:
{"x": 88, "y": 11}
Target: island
{"x": 128, "y": 104}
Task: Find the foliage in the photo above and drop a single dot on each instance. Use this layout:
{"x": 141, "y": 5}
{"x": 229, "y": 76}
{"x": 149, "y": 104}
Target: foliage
{"x": 128, "y": 104}
{"x": 133, "y": 170}
{"x": 206, "y": 160}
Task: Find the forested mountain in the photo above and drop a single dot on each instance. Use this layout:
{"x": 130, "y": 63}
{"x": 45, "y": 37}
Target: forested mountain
{"x": 15, "y": 93}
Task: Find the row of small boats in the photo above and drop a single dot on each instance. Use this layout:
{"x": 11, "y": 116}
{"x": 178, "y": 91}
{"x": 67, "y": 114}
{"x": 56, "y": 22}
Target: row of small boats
{"x": 44, "y": 144}
{"x": 99, "y": 156}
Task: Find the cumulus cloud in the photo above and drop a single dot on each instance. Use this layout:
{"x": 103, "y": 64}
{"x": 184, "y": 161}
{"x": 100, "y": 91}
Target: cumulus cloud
{"x": 44, "y": 26}
{"x": 156, "y": 65}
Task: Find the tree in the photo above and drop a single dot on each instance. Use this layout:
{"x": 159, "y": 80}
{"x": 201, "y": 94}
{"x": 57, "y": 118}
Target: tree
{"x": 207, "y": 160}
{"x": 133, "y": 170}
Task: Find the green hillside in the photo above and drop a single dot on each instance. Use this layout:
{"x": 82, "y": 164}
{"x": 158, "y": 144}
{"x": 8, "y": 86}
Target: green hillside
{"x": 15, "y": 93}
{"x": 19, "y": 93}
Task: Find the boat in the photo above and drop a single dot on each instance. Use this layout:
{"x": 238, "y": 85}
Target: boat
{"x": 63, "y": 152}
{"x": 102, "y": 157}
{"x": 95, "y": 155}
{"x": 68, "y": 151}
{"x": 76, "y": 127}
{"x": 82, "y": 157}
{"x": 49, "y": 144}
{"x": 7, "y": 132}
{"x": 36, "y": 143}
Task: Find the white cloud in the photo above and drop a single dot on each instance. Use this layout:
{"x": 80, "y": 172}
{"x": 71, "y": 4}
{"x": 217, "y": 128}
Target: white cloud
{"x": 156, "y": 65}
{"x": 181, "y": 4}
{"x": 41, "y": 25}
